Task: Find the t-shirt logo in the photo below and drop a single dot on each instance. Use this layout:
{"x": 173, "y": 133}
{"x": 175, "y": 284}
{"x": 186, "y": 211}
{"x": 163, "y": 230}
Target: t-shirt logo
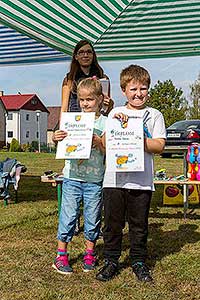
{"x": 77, "y": 118}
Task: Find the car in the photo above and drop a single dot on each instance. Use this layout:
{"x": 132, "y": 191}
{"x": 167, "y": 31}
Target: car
{"x": 180, "y": 135}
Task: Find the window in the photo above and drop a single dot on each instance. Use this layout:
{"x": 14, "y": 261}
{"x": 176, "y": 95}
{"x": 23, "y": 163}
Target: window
{"x": 34, "y": 101}
{"x": 10, "y": 134}
{"x": 27, "y": 117}
{"x": 10, "y": 116}
{"x": 27, "y": 134}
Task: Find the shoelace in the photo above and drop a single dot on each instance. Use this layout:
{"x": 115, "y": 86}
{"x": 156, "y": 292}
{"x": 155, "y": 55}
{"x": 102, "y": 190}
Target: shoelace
{"x": 62, "y": 261}
{"x": 142, "y": 269}
{"x": 108, "y": 268}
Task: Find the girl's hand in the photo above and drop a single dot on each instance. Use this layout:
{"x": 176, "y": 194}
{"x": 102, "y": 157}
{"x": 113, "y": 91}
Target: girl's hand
{"x": 59, "y": 135}
{"x": 96, "y": 141}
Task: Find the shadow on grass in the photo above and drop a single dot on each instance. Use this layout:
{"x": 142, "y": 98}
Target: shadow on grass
{"x": 31, "y": 189}
{"x": 164, "y": 243}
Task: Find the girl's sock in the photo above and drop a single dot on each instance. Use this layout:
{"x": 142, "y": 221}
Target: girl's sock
{"x": 61, "y": 252}
{"x": 89, "y": 251}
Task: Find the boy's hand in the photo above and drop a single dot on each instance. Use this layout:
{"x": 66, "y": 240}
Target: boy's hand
{"x": 59, "y": 135}
{"x": 122, "y": 118}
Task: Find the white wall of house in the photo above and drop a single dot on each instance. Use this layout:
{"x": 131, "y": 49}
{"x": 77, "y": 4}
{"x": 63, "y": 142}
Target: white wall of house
{"x": 26, "y": 126}
{"x": 2, "y": 125}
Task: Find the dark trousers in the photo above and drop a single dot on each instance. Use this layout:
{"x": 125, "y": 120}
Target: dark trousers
{"x": 121, "y": 205}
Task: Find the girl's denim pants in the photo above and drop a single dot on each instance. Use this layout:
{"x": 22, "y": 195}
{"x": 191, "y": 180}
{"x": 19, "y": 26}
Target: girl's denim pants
{"x": 73, "y": 192}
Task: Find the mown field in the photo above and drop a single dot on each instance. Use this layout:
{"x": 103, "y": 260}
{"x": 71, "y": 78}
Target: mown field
{"x": 28, "y": 245}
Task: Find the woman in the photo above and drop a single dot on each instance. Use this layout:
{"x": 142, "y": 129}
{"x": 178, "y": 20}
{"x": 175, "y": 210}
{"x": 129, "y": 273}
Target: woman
{"x": 84, "y": 64}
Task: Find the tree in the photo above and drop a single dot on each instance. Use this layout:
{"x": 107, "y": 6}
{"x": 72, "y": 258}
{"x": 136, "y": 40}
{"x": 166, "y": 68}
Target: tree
{"x": 169, "y": 100}
{"x": 194, "y": 110}
{"x": 15, "y": 146}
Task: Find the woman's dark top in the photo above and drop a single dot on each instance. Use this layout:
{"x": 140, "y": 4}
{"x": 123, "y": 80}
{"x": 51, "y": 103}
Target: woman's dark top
{"x": 73, "y": 102}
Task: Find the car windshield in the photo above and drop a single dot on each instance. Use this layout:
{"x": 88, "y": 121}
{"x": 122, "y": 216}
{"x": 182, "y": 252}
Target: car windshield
{"x": 184, "y": 125}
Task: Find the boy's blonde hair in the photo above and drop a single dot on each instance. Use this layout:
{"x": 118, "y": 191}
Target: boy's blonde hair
{"x": 135, "y": 73}
{"x": 92, "y": 84}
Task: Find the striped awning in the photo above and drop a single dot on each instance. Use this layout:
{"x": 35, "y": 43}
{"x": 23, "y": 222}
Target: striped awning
{"x": 16, "y": 48}
{"x": 118, "y": 29}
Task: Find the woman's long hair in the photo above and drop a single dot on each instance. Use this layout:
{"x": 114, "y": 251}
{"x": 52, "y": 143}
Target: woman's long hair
{"x": 75, "y": 66}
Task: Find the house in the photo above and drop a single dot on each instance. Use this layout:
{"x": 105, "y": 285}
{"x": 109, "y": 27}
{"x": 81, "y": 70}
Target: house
{"x": 26, "y": 118}
{"x": 53, "y": 123}
{"x": 3, "y": 114}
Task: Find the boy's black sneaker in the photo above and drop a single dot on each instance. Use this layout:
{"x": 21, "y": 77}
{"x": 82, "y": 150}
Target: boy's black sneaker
{"x": 109, "y": 270}
{"x": 142, "y": 272}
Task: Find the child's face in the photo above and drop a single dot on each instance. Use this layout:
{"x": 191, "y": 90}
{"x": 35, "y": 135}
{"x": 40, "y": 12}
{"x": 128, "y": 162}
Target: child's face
{"x": 88, "y": 101}
{"x": 136, "y": 94}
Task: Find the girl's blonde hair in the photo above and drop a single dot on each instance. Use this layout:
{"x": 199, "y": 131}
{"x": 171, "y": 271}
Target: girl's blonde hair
{"x": 91, "y": 83}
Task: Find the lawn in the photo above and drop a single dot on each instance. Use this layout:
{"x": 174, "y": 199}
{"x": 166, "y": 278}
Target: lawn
{"x": 28, "y": 246}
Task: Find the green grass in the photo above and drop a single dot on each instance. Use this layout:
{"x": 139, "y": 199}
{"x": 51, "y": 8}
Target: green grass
{"x": 28, "y": 246}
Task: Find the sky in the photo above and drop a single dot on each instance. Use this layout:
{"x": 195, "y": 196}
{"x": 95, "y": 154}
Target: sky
{"x": 45, "y": 80}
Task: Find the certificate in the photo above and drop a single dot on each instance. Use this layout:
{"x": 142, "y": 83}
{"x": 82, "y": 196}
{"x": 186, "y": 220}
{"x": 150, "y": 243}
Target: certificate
{"x": 79, "y": 128}
{"x": 125, "y": 145}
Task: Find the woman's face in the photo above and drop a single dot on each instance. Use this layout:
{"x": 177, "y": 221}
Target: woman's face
{"x": 85, "y": 56}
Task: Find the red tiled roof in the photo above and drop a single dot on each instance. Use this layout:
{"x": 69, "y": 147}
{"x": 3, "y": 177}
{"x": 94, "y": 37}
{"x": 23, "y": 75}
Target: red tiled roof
{"x": 53, "y": 118}
{"x": 15, "y": 102}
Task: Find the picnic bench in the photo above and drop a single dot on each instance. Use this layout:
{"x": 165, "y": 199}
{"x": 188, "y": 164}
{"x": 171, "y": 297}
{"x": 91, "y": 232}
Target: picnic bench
{"x": 57, "y": 182}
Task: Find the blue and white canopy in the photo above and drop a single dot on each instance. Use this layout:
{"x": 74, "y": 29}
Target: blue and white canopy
{"x": 118, "y": 29}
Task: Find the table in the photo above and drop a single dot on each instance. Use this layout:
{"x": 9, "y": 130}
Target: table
{"x": 57, "y": 182}
{"x": 185, "y": 184}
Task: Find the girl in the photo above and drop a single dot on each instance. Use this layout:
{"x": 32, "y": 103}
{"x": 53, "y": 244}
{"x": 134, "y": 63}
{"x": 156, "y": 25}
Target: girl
{"x": 83, "y": 180}
{"x": 84, "y": 64}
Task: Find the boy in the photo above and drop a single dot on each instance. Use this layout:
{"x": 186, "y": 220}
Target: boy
{"x": 129, "y": 194}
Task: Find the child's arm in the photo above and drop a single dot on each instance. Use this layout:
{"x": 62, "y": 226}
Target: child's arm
{"x": 97, "y": 142}
{"x": 154, "y": 145}
{"x": 59, "y": 135}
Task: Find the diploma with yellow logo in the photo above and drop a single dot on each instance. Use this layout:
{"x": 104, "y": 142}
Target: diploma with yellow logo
{"x": 79, "y": 128}
{"x": 125, "y": 145}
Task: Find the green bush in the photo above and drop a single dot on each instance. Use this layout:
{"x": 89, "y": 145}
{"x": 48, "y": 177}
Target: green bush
{"x": 26, "y": 147}
{"x": 15, "y": 146}
{"x": 34, "y": 146}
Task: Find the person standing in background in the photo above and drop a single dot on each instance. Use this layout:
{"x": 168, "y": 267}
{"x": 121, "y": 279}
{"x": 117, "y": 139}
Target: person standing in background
{"x": 84, "y": 64}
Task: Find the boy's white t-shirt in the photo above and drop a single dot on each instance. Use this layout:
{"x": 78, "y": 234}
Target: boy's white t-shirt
{"x": 154, "y": 122}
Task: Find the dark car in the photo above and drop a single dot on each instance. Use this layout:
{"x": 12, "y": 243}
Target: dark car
{"x": 180, "y": 135}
